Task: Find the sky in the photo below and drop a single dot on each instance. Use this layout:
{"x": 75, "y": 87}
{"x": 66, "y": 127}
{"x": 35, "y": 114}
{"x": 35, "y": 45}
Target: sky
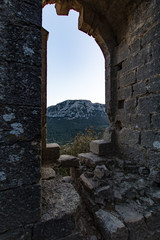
{"x": 75, "y": 63}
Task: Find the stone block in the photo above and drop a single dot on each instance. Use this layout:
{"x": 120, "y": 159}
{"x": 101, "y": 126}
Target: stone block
{"x": 17, "y": 124}
{"x": 152, "y": 34}
{"x": 91, "y": 160}
{"x": 140, "y": 121}
{"x": 50, "y": 154}
{"x": 149, "y": 104}
{"x": 88, "y": 183}
{"x": 150, "y": 139}
{"x": 101, "y": 171}
{"x": 130, "y": 105}
{"x": 18, "y": 12}
{"x": 152, "y": 219}
{"x": 142, "y": 57}
{"x": 14, "y": 202}
{"x": 139, "y": 89}
{"x": 55, "y": 228}
{"x": 153, "y": 84}
{"x": 111, "y": 227}
{"x": 122, "y": 52}
{"x": 135, "y": 46}
{"x": 74, "y": 236}
{"x": 136, "y": 153}
{"x": 21, "y": 40}
{"x": 154, "y": 159}
{"x": 156, "y": 48}
{"x": 127, "y": 79}
{"x": 60, "y": 203}
{"x": 124, "y": 93}
{"x": 101, "y": 147}
{"x": 19, "y": 234}
{"x": 105, "y": 192}
{"x": 134, "y": 221}
{"x": 19, "y": 164}
{"x": 128, "y": 136}
{"x": 148, "y": 70}
{"x": 109, "y": 135}
{"x": 47, "y": 173}
{"x": 20, "y": 85}
{"x": 68, "y": 161}
{"x": 127, "y": 65}
{"x": 155, "y": 121}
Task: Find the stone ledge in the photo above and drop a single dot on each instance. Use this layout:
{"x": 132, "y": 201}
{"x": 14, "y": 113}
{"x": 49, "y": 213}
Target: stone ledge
{"x": 68, "y": 161}
{"x": 50, "y": 154}
{"x": 101, "y": 147}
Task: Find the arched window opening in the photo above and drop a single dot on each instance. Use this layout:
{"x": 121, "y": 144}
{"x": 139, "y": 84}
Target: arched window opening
{"x": 75, "y": 71}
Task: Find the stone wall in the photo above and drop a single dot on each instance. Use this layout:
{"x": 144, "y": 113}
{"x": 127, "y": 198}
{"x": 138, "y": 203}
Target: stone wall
{"x": 138, "y": 85}
{"x": 20, "y": 118}
{"x": 128, "y": 34}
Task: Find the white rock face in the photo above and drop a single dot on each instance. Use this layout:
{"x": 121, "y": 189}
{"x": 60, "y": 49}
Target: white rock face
{"x": 72, "y": 109}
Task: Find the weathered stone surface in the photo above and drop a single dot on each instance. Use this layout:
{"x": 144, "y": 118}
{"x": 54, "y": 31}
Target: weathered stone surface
{"x": 75, "y": 236}
{"x": 20, "y": 42}
{"x": 15, "y": 124}
{"x": 88, "y": 182}
{"x": 154, "y": 159}
{"x": 60, "y": 203}
{"x": 101, "y": 147}
{"x": 128, "y": 136}
{"x": 130, "y": 105}
{"x": 124, "y": 93}
{"x": 14, "y": 202}
{"x": 127, "y": 79}
{"x": 152, "y": 219}
{"x": 91, "y": 160}
{"x": 19, "y": 234}
{"x": 68, "y": 161}
{"x": 134, "y": 221}
{"x": 156, "y": 121}
{"x": 26, "y": 83}
{"x": 149, "y": 104}
{"x": 140, "y": 121}
{"x": 104, "y": 192}
{"x": 21, "y": 165}
{"x": 109, "y": 135}
{"x": 111, "y": 227}
{"x": 139, "y": 89}
{"x": 47, "y": 173}
{"x": 150, "y": 139}
{"x": 101, "y": 171}
{"x": 51, "y": 154}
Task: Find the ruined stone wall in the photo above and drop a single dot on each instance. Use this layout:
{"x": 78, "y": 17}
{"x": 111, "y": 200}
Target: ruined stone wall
{"x": 130, "y": 30}
{"x": 20, "y": 118}
{"x": 137, "y": 60}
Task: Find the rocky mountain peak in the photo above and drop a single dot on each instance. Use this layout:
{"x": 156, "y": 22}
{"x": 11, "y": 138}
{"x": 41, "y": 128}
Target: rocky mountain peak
{"x": 73, "y": 109}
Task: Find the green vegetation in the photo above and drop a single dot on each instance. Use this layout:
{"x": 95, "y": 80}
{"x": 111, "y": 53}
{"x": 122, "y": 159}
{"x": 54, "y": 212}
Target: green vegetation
{"x": 81, "y": 142}
{"x": 63, "y": 131}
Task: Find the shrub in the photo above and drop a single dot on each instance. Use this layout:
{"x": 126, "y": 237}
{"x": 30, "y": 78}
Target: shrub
{"x": 81, "y": 142}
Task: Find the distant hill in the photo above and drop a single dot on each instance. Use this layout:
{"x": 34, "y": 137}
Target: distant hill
{"x": 67, "y": 118}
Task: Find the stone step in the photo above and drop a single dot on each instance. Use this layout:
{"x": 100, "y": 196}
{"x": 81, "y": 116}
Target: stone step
{"x": 91, "y": 160}
{"x": 60, "y": 204}
{"x": 111, "y": 227}
{"x": 101, "y": 147}
{"x": 50, "y": 154}
{"x": 68, "y": 161}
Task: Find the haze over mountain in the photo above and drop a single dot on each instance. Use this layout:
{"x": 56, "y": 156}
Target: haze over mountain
{"x": 67, "y": 118}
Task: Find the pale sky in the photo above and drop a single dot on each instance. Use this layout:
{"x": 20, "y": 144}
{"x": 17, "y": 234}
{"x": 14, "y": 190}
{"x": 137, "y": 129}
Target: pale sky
{"x": 75, "y": 68}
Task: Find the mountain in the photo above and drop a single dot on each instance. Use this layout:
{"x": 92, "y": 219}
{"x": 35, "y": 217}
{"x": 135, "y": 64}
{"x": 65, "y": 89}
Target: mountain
{"x": 67, "y": 118}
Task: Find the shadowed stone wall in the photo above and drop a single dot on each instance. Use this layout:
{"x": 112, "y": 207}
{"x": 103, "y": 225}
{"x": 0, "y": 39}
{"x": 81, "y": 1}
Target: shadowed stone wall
{"x": 20, "y": 118}
{"x": 138, "y": 85}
